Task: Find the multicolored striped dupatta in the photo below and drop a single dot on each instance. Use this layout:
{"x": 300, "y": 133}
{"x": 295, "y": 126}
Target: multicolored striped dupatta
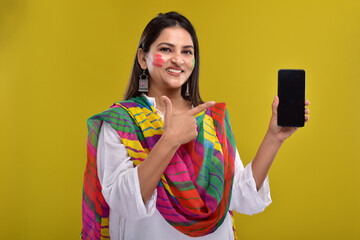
{"x": 194, "y": 192}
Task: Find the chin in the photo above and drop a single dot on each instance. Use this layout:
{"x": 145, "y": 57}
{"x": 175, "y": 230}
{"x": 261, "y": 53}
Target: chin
{"x": 175, "y": 83}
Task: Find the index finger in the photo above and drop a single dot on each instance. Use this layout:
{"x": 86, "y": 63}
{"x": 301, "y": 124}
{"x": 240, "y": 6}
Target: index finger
{"x": 201, "y": 107}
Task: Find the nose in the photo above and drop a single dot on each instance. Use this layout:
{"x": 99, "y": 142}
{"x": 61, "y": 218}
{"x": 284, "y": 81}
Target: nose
{"x": 177, "y": 59}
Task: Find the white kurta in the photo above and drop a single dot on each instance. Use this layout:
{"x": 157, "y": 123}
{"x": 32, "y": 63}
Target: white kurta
{"x": 130, "y": 218}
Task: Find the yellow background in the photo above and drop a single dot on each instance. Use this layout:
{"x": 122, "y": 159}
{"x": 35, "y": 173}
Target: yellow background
{"x": 62, "y": 61}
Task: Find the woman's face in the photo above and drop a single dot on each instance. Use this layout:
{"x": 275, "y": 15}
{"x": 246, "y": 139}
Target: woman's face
{"x": 170, "y": 60}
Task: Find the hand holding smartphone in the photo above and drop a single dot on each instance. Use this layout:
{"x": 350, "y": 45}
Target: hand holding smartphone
{"x": 291, "y": 92}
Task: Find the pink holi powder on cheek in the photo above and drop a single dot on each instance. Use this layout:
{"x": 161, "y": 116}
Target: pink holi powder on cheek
{"x": 158, "y": 61}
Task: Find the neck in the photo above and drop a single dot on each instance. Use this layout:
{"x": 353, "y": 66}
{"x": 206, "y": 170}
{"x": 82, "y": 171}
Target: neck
{"x": 178, "y": 102}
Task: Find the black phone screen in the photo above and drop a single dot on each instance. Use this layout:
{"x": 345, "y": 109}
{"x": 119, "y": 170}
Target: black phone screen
{"x": 291, "y": 92}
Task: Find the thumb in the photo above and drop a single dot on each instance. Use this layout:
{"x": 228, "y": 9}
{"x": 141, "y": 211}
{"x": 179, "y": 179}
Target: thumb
{"x": 168, "y": 107}
{"x": 275, "y": 105}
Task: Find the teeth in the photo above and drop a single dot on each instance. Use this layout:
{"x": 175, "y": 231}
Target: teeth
{"x": 173, "y": 70}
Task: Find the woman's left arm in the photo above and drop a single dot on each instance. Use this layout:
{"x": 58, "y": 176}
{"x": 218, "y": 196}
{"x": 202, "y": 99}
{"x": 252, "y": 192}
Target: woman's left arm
{"x": 274, "y": 138}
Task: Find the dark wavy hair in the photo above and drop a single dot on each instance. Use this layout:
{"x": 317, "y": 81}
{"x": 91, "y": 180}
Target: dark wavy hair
{"x": 149, "y": 35}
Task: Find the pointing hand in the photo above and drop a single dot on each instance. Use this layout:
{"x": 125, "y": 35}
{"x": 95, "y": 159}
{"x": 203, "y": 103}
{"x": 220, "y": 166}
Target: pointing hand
{"x": 181, "y": 128}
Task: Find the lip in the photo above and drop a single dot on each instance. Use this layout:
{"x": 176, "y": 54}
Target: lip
{"x": 174, "y": 73}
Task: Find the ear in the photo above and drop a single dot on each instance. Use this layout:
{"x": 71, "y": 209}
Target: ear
{"x": 141, "y": 57}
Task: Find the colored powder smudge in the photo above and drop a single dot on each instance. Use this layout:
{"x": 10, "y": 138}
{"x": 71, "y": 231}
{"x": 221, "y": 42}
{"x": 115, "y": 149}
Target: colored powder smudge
{"x": 193, "y": 64}
{"x": 158, "y": 61}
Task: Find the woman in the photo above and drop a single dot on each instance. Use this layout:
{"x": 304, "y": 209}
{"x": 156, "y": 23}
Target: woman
{"x": 163, "y": 164}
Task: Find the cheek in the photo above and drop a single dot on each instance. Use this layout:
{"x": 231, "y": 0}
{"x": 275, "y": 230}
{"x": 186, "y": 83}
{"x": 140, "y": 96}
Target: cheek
{"x": 190, "y": 63}
{"x": 158, "y": 60}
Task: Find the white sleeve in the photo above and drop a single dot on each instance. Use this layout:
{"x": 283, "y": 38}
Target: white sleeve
{"x": 245, "y": 198}
{"x": 119, "y": 178}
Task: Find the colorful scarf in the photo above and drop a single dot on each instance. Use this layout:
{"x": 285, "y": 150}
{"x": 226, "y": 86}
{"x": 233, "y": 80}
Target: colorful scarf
{"x": 193, "y": 194}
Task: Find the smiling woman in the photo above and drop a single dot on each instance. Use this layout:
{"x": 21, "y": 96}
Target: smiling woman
{"x": 162, "y": 164}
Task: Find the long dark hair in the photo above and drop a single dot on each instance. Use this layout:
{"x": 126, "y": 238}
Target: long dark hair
{"x": 149, "y": 35}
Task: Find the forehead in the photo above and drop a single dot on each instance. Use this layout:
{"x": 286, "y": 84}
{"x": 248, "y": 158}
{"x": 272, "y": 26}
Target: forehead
{"x": 174, "y": 35}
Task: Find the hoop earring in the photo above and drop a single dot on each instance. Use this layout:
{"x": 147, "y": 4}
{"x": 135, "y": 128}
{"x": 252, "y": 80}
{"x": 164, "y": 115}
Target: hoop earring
{"x": 187, "y": 94}
{"x": 143, "y": 82}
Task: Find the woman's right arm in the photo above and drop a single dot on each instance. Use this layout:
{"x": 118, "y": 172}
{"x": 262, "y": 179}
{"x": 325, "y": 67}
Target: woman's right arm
{"x": 151, "y": 170}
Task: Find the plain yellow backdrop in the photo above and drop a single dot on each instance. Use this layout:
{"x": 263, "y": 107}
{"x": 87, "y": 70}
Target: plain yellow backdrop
{"x": 62, "y": 61}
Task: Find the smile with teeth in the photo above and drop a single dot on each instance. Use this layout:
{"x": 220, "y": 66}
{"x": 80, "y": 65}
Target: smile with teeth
{"x": 174, "y": 70}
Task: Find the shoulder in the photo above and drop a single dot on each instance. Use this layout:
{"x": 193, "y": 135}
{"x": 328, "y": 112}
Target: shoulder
{"x": 122, "y": 114}
{"x": 121, "y": 107}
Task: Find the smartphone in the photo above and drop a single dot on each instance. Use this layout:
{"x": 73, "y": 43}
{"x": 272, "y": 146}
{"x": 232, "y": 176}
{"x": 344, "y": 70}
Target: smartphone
{"x": 291, "y": 92}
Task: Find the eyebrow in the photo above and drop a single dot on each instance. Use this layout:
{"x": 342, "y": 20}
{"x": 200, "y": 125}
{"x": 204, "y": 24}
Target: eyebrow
{"x": 172, "y": 45}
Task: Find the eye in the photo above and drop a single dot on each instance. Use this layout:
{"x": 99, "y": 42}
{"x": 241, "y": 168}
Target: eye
{"x": 165, "y": 49}
{"x": 188, "y": 52}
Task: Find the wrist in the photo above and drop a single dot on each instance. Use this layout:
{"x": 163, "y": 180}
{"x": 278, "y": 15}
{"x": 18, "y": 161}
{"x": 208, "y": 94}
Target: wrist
{"x": 273, "y": 138}
{"x": 169, "y": 141}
